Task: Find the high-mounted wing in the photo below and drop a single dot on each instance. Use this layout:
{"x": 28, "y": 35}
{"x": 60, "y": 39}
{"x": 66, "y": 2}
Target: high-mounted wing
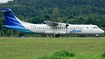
{"x": 56, "y": 24}
{"x": 50, "y": 23}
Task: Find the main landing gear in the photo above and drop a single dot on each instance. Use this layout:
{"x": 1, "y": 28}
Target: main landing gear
{"x": 56, "y": 35}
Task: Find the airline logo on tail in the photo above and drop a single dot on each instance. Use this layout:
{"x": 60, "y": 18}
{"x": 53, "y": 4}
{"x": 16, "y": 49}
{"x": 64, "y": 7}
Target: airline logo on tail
{"x": 11, "y": 19}
{"x": 13, "y": 22}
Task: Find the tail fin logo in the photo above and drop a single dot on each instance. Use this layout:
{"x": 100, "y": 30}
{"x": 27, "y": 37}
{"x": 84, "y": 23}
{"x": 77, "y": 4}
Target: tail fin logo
{"x": 10, "y": 18}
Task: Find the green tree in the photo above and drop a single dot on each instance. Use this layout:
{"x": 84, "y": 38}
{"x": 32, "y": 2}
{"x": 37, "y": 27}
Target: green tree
{"x": 55, "y": 11}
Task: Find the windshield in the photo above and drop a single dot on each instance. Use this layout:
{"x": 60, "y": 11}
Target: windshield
{"x": 95, "y": 27}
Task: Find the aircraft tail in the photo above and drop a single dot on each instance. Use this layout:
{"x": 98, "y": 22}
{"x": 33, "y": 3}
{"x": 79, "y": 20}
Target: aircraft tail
{"x": 11, "y": 20}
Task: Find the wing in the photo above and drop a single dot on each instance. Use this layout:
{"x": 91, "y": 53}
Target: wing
{"x": 56, "y": 24}
{"x": 50, "y": 23}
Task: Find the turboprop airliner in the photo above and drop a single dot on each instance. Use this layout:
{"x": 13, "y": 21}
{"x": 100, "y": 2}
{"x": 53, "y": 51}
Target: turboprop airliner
{"x": 50, "y": 28}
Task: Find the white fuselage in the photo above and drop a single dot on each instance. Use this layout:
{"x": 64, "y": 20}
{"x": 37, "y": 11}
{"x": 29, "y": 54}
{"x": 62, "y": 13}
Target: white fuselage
{"x": 62, "y": 30}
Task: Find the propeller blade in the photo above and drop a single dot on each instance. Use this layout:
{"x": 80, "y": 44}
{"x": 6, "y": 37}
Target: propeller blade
{"x": 67, "y": 25}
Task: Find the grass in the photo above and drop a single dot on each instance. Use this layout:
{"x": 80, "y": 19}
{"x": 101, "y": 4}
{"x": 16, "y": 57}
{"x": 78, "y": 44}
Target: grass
{"x": 33, "y": 48}
{"x": 59, "y": 55}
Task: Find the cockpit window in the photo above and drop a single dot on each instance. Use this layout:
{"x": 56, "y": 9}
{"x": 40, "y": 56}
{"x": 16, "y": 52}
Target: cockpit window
{"x": 95, "y": 27}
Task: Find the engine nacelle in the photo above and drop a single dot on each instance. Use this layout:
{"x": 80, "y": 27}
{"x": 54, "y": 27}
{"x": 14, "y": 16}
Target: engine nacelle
{"x": 62, "y": 25}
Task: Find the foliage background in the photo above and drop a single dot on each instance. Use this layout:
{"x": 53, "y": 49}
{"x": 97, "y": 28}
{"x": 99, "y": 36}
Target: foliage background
{"x": 68, "y": 11}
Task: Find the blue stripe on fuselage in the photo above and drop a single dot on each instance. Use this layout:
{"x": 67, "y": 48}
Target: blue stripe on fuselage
{"x": 18, "y": 28}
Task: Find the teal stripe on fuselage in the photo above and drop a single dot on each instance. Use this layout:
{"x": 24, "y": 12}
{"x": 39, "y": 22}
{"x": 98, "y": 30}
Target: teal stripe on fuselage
{"x": 18, "y": 28}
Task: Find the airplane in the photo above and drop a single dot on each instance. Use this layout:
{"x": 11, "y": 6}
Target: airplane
{"x": 50, "y": 28}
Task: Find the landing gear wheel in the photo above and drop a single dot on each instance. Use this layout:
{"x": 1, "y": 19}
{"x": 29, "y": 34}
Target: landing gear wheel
{"x": 97, "y": 35}
{"x": 56, "y": 35}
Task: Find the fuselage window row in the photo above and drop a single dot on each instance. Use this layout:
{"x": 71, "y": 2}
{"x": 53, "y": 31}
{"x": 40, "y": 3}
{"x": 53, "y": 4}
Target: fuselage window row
{"x": 58, "y": 28}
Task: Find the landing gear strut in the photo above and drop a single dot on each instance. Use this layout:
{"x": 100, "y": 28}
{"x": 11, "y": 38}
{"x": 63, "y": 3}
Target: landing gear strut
{"x": 56, "y": 35}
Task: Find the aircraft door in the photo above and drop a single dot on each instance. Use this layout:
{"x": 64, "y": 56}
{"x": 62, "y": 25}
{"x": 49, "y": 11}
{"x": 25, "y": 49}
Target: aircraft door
{"x": 91, "y": 28}
{"x": 67, "y": 31}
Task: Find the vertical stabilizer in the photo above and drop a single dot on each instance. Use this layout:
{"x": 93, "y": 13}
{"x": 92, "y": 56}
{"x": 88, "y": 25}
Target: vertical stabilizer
{"x": 11, "y": 19}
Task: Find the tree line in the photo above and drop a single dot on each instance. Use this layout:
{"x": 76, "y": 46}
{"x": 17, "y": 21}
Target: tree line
{"x": 66, "y": 11}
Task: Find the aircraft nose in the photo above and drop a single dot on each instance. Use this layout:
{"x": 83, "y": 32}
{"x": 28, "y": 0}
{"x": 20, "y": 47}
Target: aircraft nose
{"x": 102, "y": 31}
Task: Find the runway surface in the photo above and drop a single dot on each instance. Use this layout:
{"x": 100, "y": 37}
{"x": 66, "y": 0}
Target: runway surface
{"x": 55, "y": 38}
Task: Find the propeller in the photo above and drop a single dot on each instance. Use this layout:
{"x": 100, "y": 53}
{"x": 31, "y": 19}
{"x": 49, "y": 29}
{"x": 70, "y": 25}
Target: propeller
{"x": 66, "y": 27}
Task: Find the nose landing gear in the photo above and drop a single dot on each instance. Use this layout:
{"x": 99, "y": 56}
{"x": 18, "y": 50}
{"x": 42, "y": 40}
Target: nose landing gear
{"x": 97, "y": 35}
